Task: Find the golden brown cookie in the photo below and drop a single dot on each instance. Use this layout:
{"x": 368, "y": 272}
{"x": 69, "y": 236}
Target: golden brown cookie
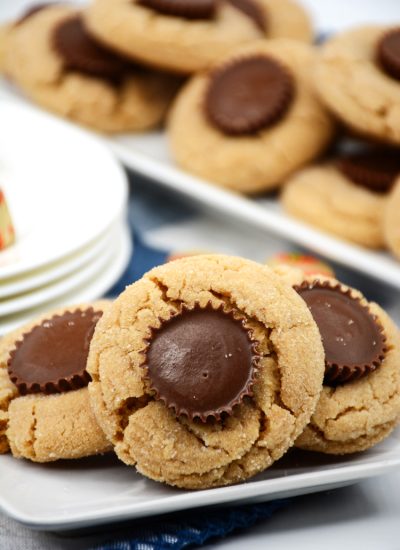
{"x": 45, "y": 413}
{"x": 324, "y": 198}
{"x": 188, "y": 37}
{"x": 205, "y": 371}
{"x": 356, "y": 86}
{"x": 57, "y": 64}
{"x": 252, "y": 120}
{"x": 5, "y": 30}
{"x": 391, "y": 220}
{"x": 347, "y": 196}
{"x": 360, "y": 401}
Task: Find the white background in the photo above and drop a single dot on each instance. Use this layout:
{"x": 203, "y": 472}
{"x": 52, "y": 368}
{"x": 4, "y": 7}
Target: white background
{"x": 365, "y": 516}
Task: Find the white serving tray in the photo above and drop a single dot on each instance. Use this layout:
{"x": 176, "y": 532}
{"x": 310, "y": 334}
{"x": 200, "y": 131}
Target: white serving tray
{"x": 83, "y": 493}
{"x": 147, "y": 154}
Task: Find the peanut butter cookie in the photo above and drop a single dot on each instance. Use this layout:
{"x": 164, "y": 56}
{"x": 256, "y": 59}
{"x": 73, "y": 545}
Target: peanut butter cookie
{"x": 45, "y": 413}
{"x": 252, "y": 120}
{"x": 360, "y": 401}
{"x": 189, "y": 36}
{"x": 357, "y": 79}
{"x": 205, "y": 371}
{"x": 57, "y": 64}
{"x": 391, "y": 220}
{"x": 346, "y": 197}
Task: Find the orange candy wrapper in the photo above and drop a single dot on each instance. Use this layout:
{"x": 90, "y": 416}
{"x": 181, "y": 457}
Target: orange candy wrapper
{"x": 308, "y": 264}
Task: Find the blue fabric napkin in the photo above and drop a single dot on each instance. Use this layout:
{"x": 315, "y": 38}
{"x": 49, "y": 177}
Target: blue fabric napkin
{"x": 195, "y": 528}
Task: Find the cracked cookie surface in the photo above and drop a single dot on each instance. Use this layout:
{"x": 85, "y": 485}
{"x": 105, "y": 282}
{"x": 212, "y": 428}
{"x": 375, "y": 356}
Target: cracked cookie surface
{"x": 190, "y": 453}
{"x": 355, "y": 88}
{"x": 325, "y": 198}
{"x": 184, "y": 45}
{"x": 138, "y": 101}
{"x": 356, "y": 415}
{"x": 259, "y": 161}
{"x": 44, "y": 428}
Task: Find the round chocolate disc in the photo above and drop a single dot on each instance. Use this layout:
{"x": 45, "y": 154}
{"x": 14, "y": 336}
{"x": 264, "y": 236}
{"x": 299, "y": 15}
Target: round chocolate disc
{"x": 81, "y": 52}
{"x": 353, "y": 341}
{"x": 201, "y": 362}
{"x": 376, "y": 169}
{"x": 192, "y": 9}
{"x": 52, "y": 357}
{"x": 248, "y": 95}
{"x": 253, "y": 10}
{"x": 388, "y": 53}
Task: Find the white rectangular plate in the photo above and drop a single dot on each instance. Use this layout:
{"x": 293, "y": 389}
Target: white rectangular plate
{"x": 82, "y": 493}
{"x": 147, "y": 154}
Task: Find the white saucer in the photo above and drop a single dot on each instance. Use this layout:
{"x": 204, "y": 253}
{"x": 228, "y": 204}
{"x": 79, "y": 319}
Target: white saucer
{"x": 64, "y": 187}
{"x": 98, "y": 284}
{"x": 53, "y": 272}
{"x": 76, "y": 279}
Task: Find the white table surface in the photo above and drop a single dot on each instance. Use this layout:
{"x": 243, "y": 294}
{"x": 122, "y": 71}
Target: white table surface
{"x": 364, "y": 516}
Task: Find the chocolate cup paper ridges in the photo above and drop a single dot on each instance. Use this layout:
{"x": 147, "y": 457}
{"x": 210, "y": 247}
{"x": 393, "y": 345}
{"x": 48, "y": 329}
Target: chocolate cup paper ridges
{"x": 80, "y": 52}
{"x": 52, "y": 357}
{"x": 201, "y": 362}
{"x": 375, "y": 169}
{"x": 388, "y": 53}
{"x": 248, "y": 94}
{"x": 354, "y": 342}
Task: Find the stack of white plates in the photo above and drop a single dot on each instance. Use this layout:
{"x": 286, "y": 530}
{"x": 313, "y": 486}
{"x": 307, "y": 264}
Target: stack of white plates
{"x": 67, "y": 196}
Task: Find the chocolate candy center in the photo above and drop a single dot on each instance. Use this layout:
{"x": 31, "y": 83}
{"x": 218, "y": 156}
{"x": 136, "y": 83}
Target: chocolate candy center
{"x": 52, "y": 357}
{"x": 388, "y": 53}
{"x": 201, "y": 362}
{"x": 248, "y": 95}
{"x": 188, "y": 9}
{"x": 80, "y": 52}
{"x": 352, "y": 339}
{"x": 376, "y": 169}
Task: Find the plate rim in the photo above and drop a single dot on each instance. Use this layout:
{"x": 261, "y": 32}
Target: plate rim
{"x": 239, "y": 493}
{"x": 55, "y": 289}
{"x": 116, "y": 269}
{"x": 57, "y": 271}
{"x": 377, "y": 265}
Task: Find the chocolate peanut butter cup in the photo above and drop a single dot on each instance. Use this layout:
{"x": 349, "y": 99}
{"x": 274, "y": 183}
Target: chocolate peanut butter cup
{"x": 80, "y": 52}
{"x": 192, "y": 9}
{"x": 201, "y": 362}
{"x": 388, "y": 53}
{"x": 248, "y": 95}
{"x": 375, "y": 169}
{"x": 52, "y": 357}
{"x": 353, "y": 340}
